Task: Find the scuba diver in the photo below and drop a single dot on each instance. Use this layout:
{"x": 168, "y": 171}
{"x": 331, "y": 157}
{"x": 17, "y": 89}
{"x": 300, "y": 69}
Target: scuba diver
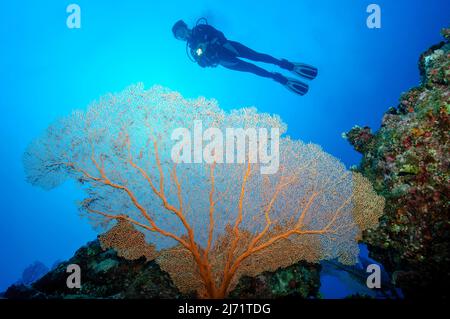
{"x": 208, "y": 47}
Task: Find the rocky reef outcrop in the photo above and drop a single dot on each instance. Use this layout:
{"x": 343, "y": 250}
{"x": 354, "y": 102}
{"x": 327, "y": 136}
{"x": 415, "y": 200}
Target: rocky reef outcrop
{"x": 105, "y": 274}
{"x": 407, "y": 160}
{"x": 300, "y": 280}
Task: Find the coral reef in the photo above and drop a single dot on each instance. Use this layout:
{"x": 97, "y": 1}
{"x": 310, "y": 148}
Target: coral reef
{"x": 107, "y": 275}
{"x": 104, "y": 275}
{"x": 407, "y": 160}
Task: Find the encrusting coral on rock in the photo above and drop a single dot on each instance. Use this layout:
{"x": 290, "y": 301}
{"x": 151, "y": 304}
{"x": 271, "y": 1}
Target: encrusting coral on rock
{"x": 407, "y": 161}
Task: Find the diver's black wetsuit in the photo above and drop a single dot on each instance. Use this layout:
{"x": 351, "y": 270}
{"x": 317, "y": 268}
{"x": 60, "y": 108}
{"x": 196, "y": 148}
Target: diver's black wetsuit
{"x": 210, "y": 47}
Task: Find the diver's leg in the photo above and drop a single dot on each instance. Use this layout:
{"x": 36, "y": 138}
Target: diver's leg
{"x": 236, "y": 64}
{"x": 304, "y": 70}
{"x": 239, "y": 65}
{"x": 247, "y": 53}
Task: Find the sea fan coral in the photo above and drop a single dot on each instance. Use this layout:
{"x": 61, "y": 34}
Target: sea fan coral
{"x": 211, "y": 223}
{"x": 127, "y": 241}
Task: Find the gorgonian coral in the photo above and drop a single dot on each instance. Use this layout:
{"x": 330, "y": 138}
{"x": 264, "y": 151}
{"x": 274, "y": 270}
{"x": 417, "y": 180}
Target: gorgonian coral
{"x": 211, "y": 223}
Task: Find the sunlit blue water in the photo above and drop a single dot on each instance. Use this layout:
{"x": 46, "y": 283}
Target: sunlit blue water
{"x": 46, "y": 70}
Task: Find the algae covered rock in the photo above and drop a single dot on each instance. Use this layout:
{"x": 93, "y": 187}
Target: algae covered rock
{"x": 103, "y": 275}
{"x": 301, "y": 280}
{"x": 407, "y": 160}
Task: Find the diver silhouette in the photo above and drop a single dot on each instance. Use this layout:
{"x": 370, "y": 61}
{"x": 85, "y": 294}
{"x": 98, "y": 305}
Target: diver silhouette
{"x": 208, "y": 47}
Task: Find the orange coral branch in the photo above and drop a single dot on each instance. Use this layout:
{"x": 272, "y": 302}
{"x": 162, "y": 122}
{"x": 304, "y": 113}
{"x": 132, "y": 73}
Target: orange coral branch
{"x": 336, "y": 214}
{"x": 160, "y": 193}
{"x": 203, "y": 264}
{"x": 211, "y": 210}
{"x": 238, "y": 219}
{"x": 278, "y": 189}
{"x": 104, "y": 180}
{"x": 229, "y": 272}
{"x": 119, "y": 217}
{"x": 305, "y": 210}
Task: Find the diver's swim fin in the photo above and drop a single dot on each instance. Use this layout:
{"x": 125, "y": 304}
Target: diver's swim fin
{"x": 304, "y": 70}
{"x": 296, "y": 86}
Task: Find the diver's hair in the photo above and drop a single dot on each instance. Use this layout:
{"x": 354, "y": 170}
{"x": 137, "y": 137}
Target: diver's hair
{"x": 177, "y": 25}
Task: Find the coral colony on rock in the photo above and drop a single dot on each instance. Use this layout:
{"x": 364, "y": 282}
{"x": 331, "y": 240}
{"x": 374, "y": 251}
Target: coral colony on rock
{"x": 407, "y": 161}
{"x": 191, "y": 200}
